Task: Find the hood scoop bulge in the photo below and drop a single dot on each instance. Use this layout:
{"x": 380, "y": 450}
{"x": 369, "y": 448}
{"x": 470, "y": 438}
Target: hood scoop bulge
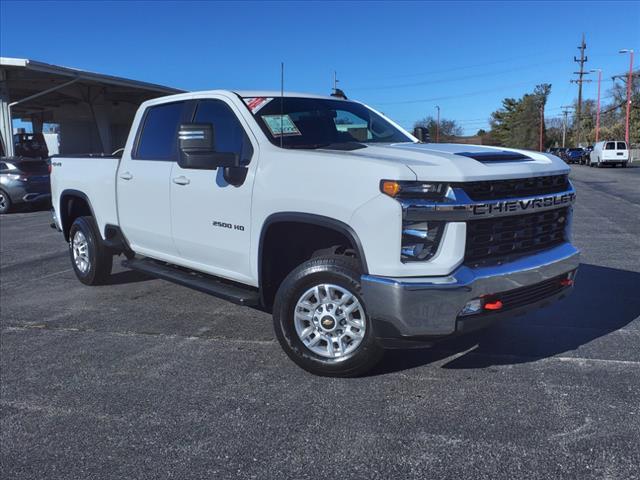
{"x": 496, "y": 156}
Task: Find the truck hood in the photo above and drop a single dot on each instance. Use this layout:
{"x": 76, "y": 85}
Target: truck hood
{"x": 461, "y": 163}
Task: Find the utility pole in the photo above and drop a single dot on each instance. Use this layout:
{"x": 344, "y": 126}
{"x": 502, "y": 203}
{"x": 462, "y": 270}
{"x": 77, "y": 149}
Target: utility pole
{"x": 438, "y": 125}
{"x": 629, "y": 85}
{"x": 599, "y": 70}
{"x": 335, "y": 81}
{"x": 565, "y": 112}
{"x": 580, "y": 81}
{"x": 541, "y": 126}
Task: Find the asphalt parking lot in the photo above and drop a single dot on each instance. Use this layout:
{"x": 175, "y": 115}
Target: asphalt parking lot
{"x": 145, "y": 379}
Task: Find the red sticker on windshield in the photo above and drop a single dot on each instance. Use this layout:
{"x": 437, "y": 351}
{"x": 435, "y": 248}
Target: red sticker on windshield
{"x": 256, "y": 103}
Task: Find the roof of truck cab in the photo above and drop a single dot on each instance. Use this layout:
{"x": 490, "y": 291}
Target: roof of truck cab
{"x": 277, "y": 93}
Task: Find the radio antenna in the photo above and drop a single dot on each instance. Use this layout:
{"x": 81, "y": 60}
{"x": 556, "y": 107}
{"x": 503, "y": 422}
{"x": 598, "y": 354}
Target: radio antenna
{"x": 281, "y": 103}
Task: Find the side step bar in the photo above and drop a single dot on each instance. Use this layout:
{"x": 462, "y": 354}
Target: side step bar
{"x": 198, "y": 281}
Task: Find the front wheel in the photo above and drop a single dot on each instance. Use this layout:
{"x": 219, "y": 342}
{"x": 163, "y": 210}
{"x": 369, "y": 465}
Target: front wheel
{"x": 320, "y": 319}
{"x": 91, "y": 260}
{"x": 5, "y": 202}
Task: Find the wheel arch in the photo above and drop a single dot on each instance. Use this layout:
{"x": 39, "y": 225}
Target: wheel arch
{"x": 334, "y": 228}
{"x": 73, "y": 204}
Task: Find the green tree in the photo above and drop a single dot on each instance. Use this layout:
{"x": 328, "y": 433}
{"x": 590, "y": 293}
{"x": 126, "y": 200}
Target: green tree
{"x": 517, "y": 123}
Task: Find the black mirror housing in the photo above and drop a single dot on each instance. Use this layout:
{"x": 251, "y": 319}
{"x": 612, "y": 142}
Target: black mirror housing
{"x": 197, "y": 148}
{"x": 196, "y": 137}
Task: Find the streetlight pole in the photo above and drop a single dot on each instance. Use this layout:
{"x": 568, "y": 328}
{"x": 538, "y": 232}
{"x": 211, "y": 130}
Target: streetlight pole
{"x": 629, "y": 80}
{"x": 438, "y": 125}
{"x": 599, "y": 70}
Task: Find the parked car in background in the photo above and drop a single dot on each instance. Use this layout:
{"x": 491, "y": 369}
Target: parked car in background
{"x": 561, "y": 152}
{"x": 574, "y": 155}
{"x": 30, "y": 145}
{"x": 23, "y": 181}
{"x": 586, "y": 155}
{"x": 609, "y": 152}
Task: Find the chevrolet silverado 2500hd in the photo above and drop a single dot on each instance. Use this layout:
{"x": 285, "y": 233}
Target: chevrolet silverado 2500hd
{"x": 354, "y": 234}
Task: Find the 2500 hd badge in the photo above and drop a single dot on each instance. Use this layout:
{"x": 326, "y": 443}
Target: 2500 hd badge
{"x": 227, "y": 225}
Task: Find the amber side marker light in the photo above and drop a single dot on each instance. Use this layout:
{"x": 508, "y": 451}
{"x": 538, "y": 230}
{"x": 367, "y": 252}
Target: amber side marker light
{"x": 390, "y": 187}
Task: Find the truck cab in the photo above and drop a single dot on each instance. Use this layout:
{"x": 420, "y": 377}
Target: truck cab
{"x": 351, "y": 232}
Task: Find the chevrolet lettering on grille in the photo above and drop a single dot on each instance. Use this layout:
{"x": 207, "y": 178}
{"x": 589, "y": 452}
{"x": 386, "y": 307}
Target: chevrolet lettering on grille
{"x": 522, "y": 205}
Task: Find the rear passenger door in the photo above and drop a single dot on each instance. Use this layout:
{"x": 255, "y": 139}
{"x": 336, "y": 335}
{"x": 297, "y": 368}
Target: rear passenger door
{"x": 211, "y": 219}
{"x": 143, "y": 181}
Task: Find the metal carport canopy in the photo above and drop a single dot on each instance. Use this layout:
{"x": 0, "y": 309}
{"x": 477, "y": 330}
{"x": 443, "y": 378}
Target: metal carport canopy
{"x": 94, "y": 110}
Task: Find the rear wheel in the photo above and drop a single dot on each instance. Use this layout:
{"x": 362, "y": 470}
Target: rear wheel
{"x": 5, "y": 202}
{"x": 320, "y": 318}
{"x": 91, "y": 260}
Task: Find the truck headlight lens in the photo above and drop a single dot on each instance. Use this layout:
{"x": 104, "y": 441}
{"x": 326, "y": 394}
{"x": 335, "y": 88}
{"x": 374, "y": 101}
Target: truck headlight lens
{"x": 420, "y": 240}
{"x": 404, "y": 189}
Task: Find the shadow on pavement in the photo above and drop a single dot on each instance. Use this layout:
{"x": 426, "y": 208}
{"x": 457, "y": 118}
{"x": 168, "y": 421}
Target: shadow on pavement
{"x": 127, "y": 276}
{"x": 604, "y": 300}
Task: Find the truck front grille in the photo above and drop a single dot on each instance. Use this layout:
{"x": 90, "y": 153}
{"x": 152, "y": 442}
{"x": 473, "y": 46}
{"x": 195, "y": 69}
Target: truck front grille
{"x": 520, "y": 187}
{"x": 496, "y": 238}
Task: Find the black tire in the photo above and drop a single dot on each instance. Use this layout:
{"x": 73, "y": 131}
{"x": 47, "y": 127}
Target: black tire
{"x": 623, "y": 164}
{"x": 100, "y": 257}
{"x": 5, "y": 202}
{"x": 343, "y": 272}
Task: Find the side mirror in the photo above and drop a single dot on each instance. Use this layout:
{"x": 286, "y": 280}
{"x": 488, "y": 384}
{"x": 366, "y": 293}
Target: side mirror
{"x": 196, "y": 142}
{"x": 421, "y": 134}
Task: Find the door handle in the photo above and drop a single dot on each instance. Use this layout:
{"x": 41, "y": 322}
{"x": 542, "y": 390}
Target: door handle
{"x": 181, "y": 180}
{"x": 126, "y": 176}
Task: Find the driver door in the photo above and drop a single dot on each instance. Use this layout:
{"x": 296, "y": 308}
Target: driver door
{"x": 211, "y": 219}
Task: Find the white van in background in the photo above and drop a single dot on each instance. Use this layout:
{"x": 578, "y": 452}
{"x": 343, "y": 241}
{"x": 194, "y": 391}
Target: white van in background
{"x": 609, "y": 153}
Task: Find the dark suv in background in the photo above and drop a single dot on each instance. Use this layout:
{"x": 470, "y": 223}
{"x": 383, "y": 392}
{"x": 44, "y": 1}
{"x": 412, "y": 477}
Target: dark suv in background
{"x": 24, "y": 179}
{"x": 574, "y": 155}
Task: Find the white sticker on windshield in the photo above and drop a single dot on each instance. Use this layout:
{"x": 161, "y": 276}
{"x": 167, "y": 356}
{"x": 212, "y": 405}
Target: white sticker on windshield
{"x": 281, "y": 125}
{"x": 256, "y": 103}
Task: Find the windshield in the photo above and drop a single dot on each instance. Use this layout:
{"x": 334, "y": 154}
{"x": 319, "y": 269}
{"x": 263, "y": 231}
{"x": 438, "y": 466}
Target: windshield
{"x": 321, "y": 123}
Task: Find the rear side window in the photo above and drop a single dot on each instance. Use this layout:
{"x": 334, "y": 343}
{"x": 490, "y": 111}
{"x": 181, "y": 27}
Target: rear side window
{"x": 229, "y": 136}
{"x": 622, "y": 146}
{"x": 158, "y": 139}
{"x": 610, "y": 146}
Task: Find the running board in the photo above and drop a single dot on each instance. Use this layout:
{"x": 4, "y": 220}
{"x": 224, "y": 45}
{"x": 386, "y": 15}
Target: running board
{"x": 198, "y": 281}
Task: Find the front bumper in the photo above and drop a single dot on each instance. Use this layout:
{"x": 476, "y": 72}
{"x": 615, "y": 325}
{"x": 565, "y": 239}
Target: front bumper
{"x": 431, "y": 306}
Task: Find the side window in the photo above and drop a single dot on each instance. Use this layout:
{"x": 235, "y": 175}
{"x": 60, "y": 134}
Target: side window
{"x": 622, "y": 146}
{"x": 157, "y": 141}
{"x": 3, "y": 167}
{"x": 229, "y": 136}
{"x": 610, "y": 146}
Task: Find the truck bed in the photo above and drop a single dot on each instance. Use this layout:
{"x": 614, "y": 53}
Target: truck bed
{"x": 94, "y": 177}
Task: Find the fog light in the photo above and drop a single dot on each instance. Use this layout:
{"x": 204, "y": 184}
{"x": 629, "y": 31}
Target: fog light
{"x": 420, "y": 240}
{"x": 472, "y": 307}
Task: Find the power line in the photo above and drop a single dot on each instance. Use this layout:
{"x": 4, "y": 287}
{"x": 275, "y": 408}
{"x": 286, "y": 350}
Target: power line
{"x": 469, "y": 94}
{"x": 452, "y": 79}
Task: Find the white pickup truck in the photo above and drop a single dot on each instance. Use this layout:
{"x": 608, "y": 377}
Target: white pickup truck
{"x": 352, "y": 232}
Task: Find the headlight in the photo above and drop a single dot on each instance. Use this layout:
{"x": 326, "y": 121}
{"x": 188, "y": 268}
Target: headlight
{"x": 420, "y": 240}
{"x": 409, "y": 189}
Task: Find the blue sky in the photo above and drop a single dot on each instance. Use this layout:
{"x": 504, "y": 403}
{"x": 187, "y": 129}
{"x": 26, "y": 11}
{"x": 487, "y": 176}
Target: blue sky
{"x": 400, "y": 57}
